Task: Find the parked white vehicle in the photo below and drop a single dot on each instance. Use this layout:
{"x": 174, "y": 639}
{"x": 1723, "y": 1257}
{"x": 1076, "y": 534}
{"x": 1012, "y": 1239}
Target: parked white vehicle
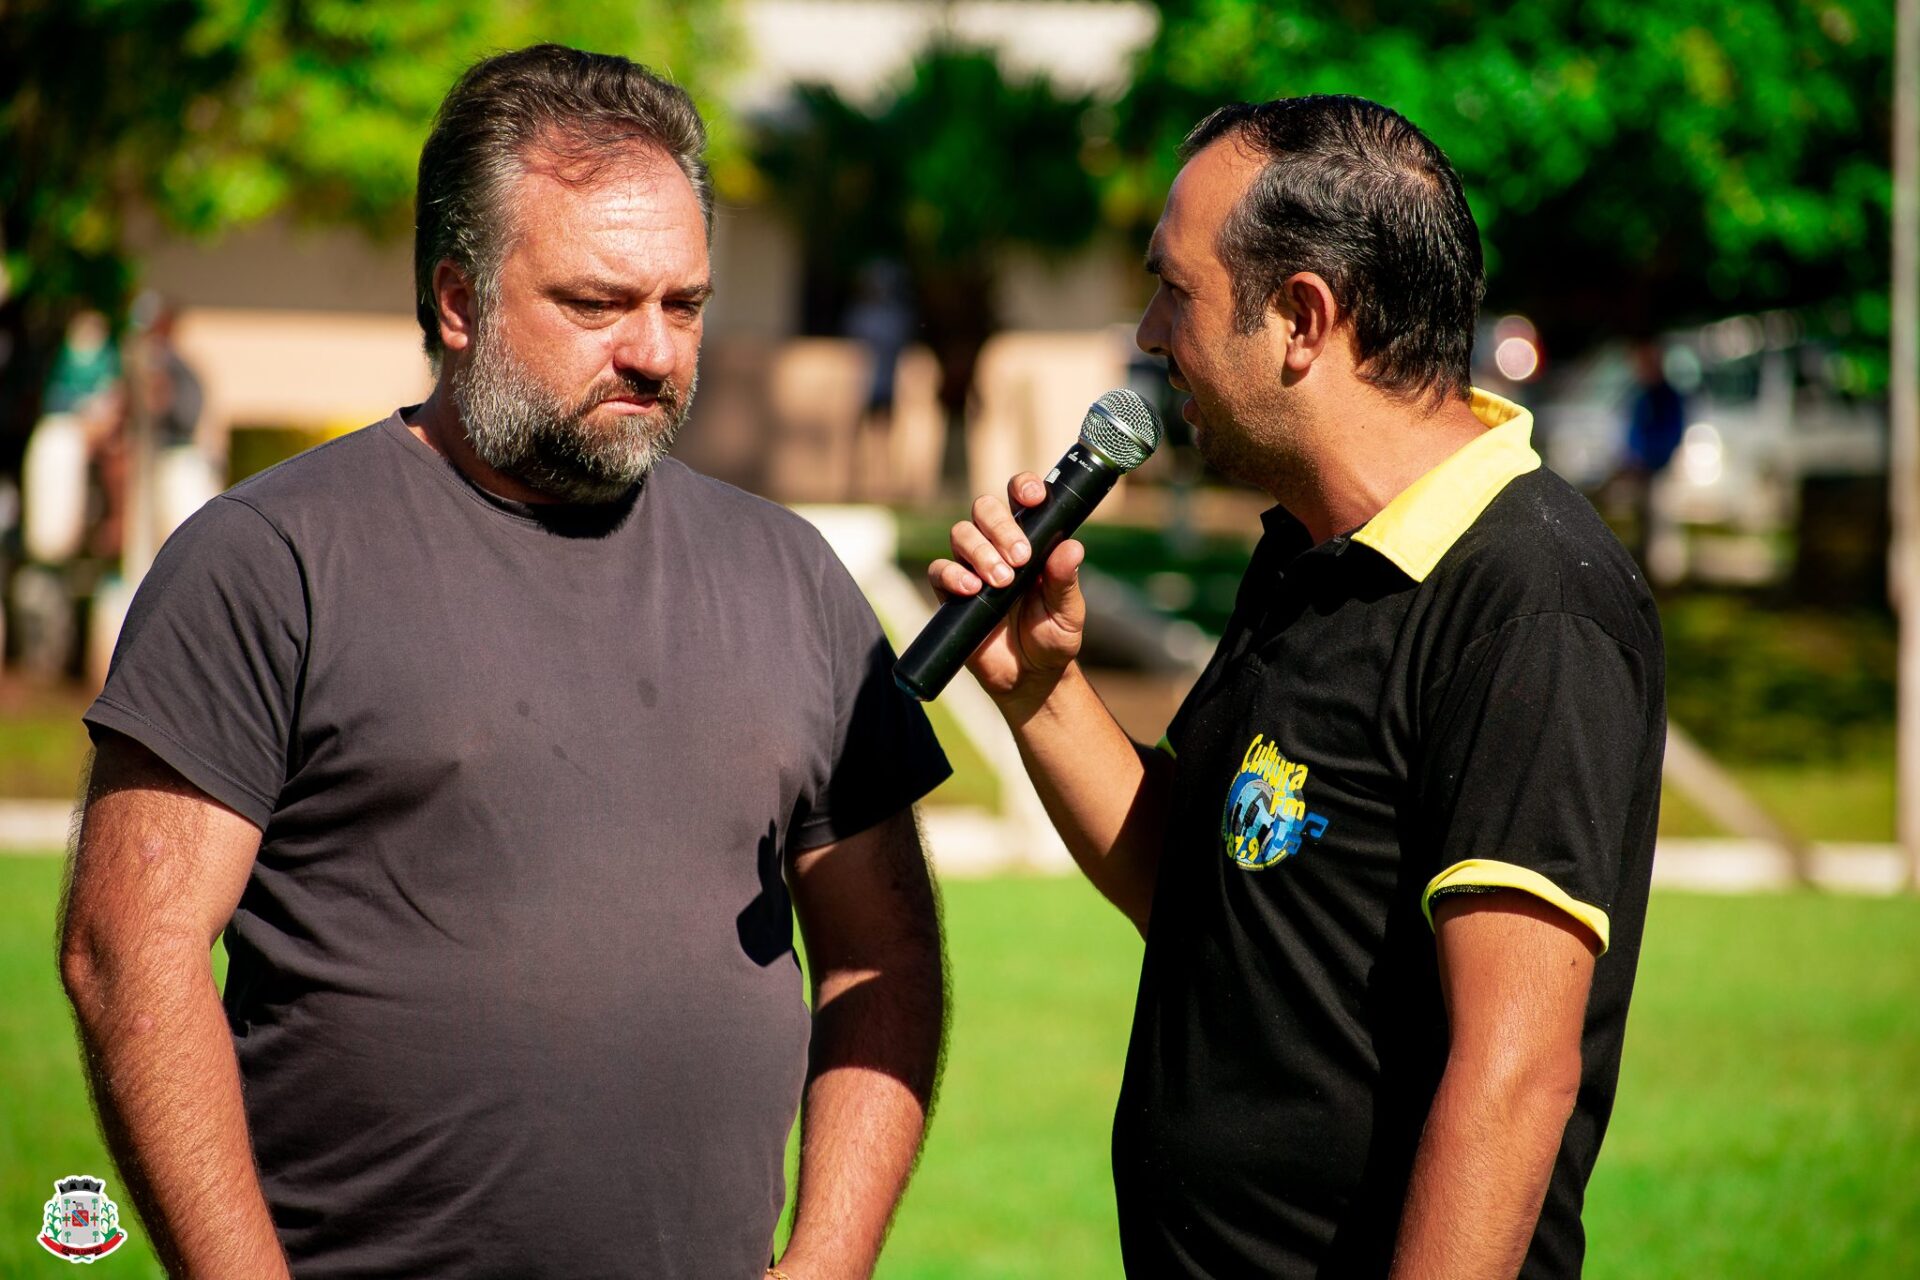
{"x": 1765, "y": 409}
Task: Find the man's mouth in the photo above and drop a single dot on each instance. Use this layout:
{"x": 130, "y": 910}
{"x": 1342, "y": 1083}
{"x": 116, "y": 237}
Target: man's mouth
{"x": 631, "y": 399}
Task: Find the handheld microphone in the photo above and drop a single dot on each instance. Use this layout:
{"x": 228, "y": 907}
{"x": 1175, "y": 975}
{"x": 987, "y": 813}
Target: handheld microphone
{"x": 1118, "y": 434}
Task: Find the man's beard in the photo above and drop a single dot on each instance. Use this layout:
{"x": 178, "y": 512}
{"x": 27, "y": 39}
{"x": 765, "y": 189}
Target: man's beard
{"x": 1231, "y": 454}
{"x": 519, "y": 428}
{"x": 1251, "y": 451}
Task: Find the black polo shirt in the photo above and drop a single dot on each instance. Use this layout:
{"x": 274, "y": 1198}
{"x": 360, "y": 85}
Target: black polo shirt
{"x": 1464, "y": 694}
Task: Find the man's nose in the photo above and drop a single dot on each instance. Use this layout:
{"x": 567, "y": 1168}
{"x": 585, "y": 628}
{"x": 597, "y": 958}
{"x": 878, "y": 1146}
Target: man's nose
{"x": 1151, "y": 336}
{"x": 645, "y": 344}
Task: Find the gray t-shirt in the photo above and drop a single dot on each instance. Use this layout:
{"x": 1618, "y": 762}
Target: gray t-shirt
{"x": 512, "y": 984}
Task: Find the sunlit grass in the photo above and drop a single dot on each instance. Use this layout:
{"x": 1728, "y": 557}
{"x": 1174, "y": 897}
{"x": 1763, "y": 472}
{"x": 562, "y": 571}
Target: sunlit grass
{"x": 1848, "y": 801}
{"x": 1768, "y": 1123}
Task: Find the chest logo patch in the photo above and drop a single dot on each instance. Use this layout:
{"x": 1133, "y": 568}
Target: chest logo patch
{"x": 1266, "y": 818}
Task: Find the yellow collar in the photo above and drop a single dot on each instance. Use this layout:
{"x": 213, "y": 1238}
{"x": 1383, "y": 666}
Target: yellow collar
{"x": 1428, "y": 517}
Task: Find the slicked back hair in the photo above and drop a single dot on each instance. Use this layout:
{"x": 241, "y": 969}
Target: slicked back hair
{"x": 584, "y": 109}
{"x": 1356, "y": 194}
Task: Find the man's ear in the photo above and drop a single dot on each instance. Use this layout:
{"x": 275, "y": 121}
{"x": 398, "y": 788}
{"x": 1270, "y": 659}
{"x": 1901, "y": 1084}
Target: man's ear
{"x": 453, "y": 303}
{"x": 1306, "y": 304}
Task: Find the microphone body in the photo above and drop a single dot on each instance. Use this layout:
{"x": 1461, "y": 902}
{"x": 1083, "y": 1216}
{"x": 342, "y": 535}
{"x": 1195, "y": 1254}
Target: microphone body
{"x": 1122, "y": 422}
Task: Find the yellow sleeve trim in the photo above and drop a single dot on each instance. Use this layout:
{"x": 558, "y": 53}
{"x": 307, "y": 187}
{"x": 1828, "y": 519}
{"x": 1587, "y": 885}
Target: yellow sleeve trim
{"x": 1484, "y": 874}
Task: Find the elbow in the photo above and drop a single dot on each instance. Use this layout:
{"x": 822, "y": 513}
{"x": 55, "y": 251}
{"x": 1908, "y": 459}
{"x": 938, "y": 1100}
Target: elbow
{"x": 1551, "y": 1089}
{"x": 1540, "y": 1088}
{"x": 82, "y": 968}
{"x": 94, "y": 969}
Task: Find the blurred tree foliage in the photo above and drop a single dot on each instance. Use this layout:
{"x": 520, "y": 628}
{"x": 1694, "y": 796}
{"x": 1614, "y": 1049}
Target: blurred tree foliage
{"x": 1780, "y": 684}
{"x": 208, "y": 114}
{"x": 1632, "y": 165}
{"x": 942, "y": 174}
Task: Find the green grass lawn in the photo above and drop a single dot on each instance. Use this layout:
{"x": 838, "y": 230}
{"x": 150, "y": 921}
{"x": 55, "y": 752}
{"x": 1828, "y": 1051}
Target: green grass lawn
{"x": 1768, "y": 1122}
{"x": 1852, "y": 800}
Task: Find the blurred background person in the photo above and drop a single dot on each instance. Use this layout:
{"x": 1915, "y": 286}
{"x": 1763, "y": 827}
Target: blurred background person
{"x": 1656, "y": 419}
{"x": 881, "y": 320}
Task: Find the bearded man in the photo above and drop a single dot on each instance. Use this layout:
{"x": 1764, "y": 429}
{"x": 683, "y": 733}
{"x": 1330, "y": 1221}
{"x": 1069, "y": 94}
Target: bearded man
{"x": 493, "y": 740}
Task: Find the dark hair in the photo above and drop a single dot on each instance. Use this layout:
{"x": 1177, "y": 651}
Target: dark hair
{"x": 585, "y": 108}
{"x": 1353, "y": 192}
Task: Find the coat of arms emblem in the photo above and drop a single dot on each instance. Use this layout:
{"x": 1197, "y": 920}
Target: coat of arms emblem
{"x": 82, "y": 1225}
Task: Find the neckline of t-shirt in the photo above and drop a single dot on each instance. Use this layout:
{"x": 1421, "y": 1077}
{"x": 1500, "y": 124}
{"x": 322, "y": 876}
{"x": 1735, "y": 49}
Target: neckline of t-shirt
{"x": 549, "y": 518}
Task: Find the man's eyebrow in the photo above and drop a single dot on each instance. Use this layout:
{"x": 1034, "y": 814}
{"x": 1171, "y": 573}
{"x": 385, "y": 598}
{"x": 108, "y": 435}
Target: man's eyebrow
{"x": 1156, "y": 262}
{"x": 602, "y": 287}
{"x": 587, "y": 286}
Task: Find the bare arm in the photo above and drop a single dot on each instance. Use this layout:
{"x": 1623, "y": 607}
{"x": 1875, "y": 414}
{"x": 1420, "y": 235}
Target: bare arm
{"x": 156, "y": 873}
{"x": 1515, "y": 972}
{"x": 1106, "y": 794}
{"x": 871, "y": 922}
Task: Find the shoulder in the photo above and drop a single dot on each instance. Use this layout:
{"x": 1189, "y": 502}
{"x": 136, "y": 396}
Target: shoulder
{"x": 1541, "y": 548}
{"x": 731, "y": 520}
{"x": 343, "y": 472}
{"x": 773, "y": 557}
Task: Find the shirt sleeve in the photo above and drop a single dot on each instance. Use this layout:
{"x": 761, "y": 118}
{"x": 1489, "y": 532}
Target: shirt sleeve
{"x": 883, "y": 755}
{"x": 207, "y": 668}
{"x": 1527, "y": 779}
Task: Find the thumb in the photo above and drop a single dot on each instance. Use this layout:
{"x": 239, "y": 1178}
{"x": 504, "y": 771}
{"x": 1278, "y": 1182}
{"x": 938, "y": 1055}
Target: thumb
{"x": 1060, "y": 586}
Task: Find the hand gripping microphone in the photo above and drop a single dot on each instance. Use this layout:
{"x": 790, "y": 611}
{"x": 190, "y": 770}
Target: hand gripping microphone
{"x": 1118, "y": 434}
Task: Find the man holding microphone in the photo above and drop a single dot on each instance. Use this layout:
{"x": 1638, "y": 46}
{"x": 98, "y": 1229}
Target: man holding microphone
{"x": 1391, "y": 859}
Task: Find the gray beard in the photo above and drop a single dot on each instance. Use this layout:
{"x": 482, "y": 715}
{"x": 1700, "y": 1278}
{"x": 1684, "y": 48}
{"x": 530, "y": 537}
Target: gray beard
{"x": 517, "y": 427}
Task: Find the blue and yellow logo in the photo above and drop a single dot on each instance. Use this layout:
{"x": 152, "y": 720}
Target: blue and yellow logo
{"x": 1266, "y": 816}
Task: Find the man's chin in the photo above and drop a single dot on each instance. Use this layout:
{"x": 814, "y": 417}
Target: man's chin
{"x": 1224, "y": 453}
{"x": 581, "y": 489}
{"x": 603, "y": 479}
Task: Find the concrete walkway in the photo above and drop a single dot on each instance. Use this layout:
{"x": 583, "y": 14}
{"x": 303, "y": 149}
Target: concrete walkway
{"x": 970, "y": 843}
{"x": 34, "y": 826}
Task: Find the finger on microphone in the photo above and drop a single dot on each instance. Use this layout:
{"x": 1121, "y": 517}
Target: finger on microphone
{"x": 949, "y": 578}
{"x": 992, "y": 517}
{"x": 1027, "y": 489}
{"x": 972, "y": 548}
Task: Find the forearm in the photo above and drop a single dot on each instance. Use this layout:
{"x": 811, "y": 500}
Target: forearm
{"x": 160, "y": 1062}
{"x": 1106, "y": 794}
{"x": 1481, "y": 1172}
{"x": 877, "y": 1046}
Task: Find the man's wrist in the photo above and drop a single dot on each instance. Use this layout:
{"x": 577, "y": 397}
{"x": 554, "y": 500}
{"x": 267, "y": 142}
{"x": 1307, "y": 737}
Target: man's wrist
{"x": 1037, "y": 697}
{"x": 795, "y": 1264}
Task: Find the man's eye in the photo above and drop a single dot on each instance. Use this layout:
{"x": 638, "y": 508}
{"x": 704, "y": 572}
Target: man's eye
{"x": 590, "y": 306}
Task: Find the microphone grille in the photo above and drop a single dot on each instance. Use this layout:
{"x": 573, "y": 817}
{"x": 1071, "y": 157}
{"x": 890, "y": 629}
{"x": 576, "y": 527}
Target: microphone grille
{"x": 1121, "y": 428}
